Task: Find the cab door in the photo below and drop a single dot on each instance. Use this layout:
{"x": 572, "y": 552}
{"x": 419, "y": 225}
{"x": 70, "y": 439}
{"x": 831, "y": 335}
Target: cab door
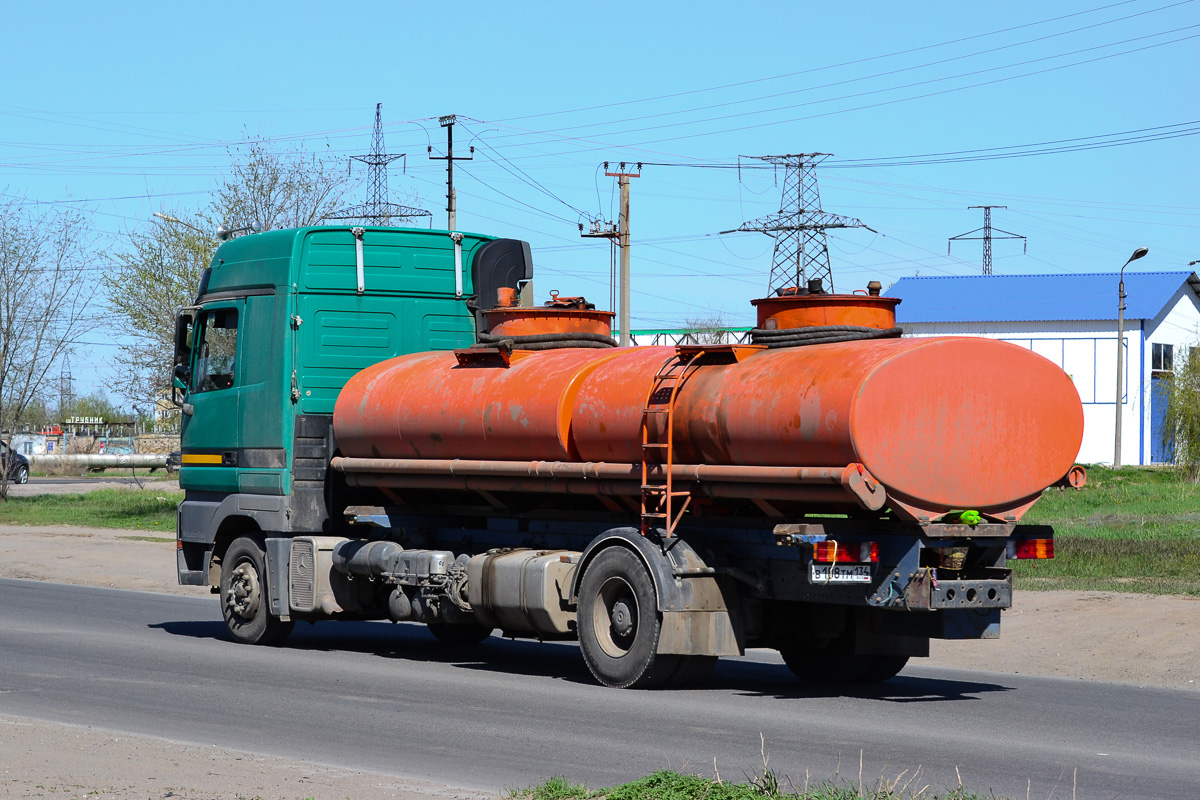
{"x": 210, "y": 438}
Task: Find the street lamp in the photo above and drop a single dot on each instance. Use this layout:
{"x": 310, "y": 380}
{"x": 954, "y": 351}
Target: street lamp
{"x": 176, "y": 220}
{"x": 1141, "y": 251}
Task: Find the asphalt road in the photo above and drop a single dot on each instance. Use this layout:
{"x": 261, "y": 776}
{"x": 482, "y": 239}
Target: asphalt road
{"x": 506, "y": 714}
{"x": 111, "y": 479}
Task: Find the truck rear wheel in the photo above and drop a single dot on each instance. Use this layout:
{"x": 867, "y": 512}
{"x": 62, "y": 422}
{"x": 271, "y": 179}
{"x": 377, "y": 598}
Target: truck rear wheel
{"x": 619, "y": 623}
{"x": 835, "y": 666}
{"x": 244, "y": 602}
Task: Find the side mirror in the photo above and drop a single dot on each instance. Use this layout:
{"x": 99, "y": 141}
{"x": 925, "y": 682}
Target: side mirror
{"x": 182, "y": 375}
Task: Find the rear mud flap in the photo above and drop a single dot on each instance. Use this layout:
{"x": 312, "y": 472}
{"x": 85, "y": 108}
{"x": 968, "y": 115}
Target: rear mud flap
{"x": 698, "y": 633}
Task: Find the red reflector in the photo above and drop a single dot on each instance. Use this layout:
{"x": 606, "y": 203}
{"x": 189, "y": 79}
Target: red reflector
{"x": 870, "y": 552}
{"x": 830, "y": 552}
{"x": 1031, "y": 548}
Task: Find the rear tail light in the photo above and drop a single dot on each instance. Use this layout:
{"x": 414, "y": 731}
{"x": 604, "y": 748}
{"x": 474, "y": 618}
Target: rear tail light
{"x": 1031, "y": 548}
{"x": 830, "y": 551}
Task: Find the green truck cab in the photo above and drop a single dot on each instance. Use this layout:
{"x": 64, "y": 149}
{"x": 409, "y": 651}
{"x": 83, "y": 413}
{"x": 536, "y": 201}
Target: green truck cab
{"x": 281, "y": 321}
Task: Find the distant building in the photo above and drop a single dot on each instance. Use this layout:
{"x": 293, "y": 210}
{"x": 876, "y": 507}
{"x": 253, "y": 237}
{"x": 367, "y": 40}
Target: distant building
{"x": 49, "y": 441}
{"x": 1072, "y": 320}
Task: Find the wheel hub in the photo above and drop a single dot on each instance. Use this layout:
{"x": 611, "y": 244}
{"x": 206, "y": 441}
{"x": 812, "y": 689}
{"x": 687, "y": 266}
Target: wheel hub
{"x": 244, "y": 591}
{"x": 622, "y": 618}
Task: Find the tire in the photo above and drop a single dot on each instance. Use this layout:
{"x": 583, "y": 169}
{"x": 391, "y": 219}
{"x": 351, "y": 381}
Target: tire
{"x": 619, "y": 623}
{"x": 835, "y": 666}
{"x": 471, "y": 633}
{"x": 22, "y": 475}
{"x": 244, "y": 603}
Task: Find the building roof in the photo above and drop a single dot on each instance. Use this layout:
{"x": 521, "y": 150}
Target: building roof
{"x": 1023, "y": 298}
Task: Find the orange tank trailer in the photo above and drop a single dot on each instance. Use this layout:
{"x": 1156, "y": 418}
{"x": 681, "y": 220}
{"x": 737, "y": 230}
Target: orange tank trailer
{"x": 942, "y": 423}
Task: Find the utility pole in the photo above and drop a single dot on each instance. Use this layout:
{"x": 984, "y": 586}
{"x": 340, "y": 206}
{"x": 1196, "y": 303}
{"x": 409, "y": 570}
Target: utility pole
{"x": 599, "y": 229}
{"x": 801, "y": 246}
{"x": 623, "y": 177}
{"x": 987, "y": 237}
{"x": 447, "y": 122}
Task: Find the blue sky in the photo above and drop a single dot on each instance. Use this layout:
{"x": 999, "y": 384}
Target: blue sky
{"x": 131, "y": 108}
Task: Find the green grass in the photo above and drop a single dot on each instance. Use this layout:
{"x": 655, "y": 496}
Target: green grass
{"x": 149, "y": 510}
{"x": 1128, "y": 530}
{"x": 669, "y": 785}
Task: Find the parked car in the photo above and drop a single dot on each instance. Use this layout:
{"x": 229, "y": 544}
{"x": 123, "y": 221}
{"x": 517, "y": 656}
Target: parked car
{"x": 18, "y": 465}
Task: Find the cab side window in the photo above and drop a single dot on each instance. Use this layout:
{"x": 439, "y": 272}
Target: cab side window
{"x": 218, "y": 347}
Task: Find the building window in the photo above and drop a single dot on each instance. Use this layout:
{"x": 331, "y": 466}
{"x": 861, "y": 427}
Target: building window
{"x": 1162, "y": 357}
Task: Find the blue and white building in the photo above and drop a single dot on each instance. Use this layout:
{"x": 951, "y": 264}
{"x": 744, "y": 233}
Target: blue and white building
{"x": 1072, "y": 320}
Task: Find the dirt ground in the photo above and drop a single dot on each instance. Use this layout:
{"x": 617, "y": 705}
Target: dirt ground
{"x": 1119, "y": 638}
{"x": 44, "y": 759}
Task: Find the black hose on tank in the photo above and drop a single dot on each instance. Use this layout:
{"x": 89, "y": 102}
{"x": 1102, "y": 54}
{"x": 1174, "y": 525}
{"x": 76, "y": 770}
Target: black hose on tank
{"x": 821, "y": 334}
{"x": 550, "y": 341}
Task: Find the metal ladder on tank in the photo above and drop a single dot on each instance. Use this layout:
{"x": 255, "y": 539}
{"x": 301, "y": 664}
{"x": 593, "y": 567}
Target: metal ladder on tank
{"x": 658, "y": 458}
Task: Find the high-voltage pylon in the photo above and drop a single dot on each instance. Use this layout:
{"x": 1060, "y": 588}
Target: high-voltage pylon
{"x": 988, "y": 235}
{"x": 801, "y": 247}
{"x": 66, "y": 388}
{"x": 377, "y": 210}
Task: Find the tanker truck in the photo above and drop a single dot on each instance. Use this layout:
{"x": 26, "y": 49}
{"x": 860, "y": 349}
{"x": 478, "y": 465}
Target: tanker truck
{"x": 378, "y": 424}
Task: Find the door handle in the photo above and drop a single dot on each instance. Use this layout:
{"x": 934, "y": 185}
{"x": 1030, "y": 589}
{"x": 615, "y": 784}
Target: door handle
{"x": 189, "y": 409}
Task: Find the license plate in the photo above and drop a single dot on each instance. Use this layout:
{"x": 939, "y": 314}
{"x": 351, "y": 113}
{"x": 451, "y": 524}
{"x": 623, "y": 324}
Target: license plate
{"x": 840, "y": 573}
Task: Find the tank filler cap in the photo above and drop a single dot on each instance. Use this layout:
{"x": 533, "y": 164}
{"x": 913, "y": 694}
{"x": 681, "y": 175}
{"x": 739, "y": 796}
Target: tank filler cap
{"x": 580, "y": 303}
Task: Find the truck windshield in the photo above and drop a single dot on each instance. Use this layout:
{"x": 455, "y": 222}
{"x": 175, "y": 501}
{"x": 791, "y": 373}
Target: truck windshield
{"x": 218, "y": 347}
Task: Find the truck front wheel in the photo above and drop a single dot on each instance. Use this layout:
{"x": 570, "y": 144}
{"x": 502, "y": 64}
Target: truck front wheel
{"x": 619, "y": 623}
{"x": 244, "y": 596}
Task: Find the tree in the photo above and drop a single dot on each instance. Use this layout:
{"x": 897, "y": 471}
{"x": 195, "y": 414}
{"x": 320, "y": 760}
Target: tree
{"x": 152, "y": 280}
{"x": 1181, "y": 426}
{"x": 95, "y": 404}
{"x": 45, "y": 292}
{"x": 289, "y": 189}
{"x": 160, "y": 269}
{"x": 707, "y": 330}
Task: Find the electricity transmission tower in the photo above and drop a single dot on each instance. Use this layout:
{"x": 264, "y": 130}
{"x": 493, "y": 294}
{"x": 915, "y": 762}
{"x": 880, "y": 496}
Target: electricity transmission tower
{"x": 377, "y": 210}
{"x": 987, "y": 237}
{"x": 66, "y": 388}
{"x": 801, "y": 246}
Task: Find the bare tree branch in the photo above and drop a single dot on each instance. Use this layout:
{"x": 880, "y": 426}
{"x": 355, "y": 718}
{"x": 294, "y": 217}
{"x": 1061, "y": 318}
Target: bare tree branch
{"x": 44, "y": 296}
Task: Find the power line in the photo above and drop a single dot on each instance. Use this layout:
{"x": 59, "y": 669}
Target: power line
{"x": 815, "y": 69}
{"x": 522, "y": 175}
{"x": 897, "y": 71}
{"x": 639, "y": 145}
